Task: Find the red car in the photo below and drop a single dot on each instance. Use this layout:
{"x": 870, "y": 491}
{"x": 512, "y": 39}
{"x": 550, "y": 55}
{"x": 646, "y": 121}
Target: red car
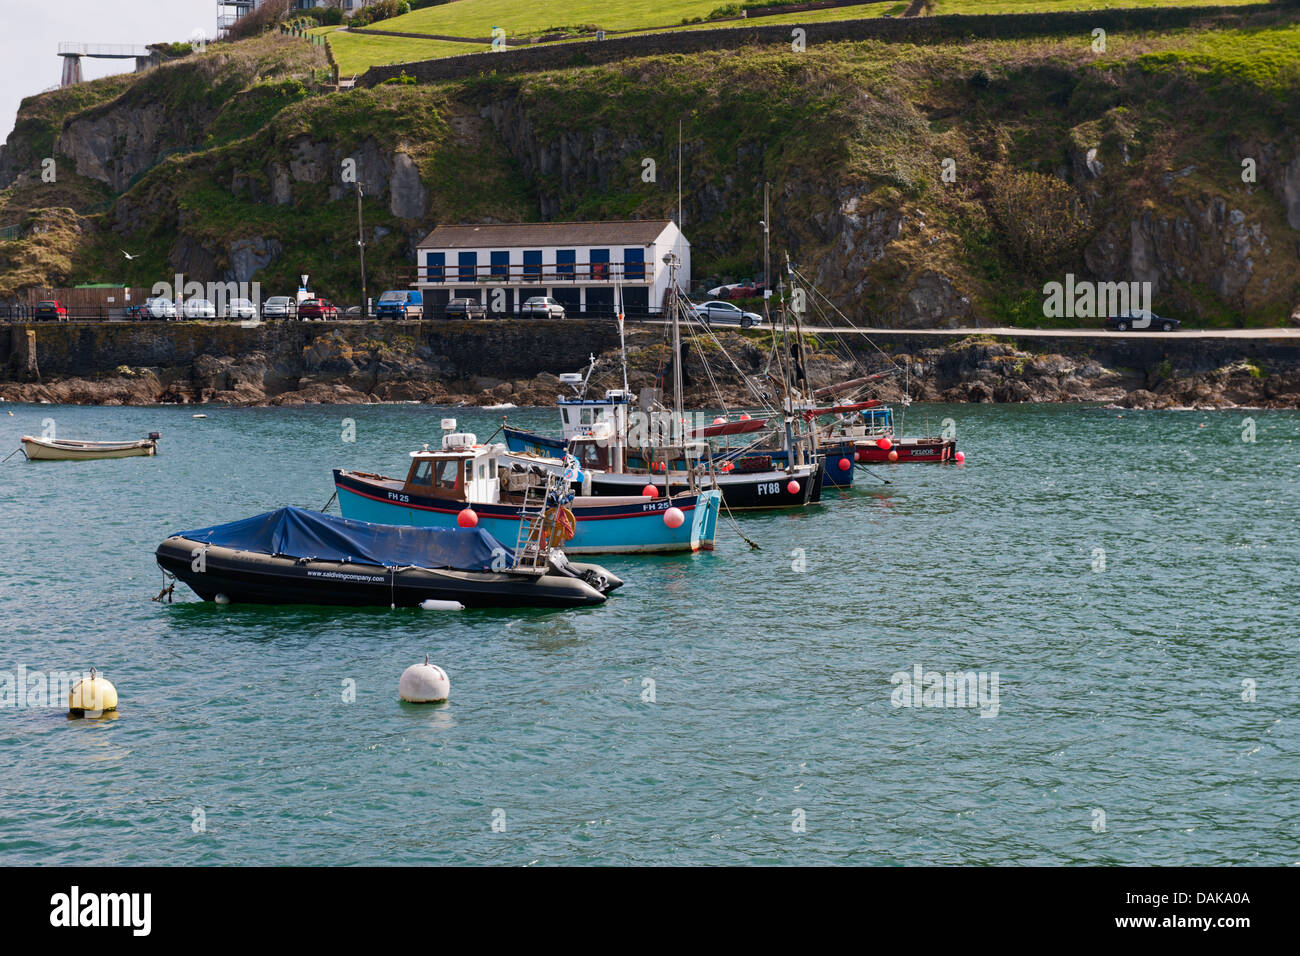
{"x": 746, "y": 290}
{"x": 317, "y": 309}
{"x": 52, "y": 309}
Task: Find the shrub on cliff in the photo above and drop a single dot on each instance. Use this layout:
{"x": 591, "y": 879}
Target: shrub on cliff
{"x": 264, "y": 18}
{"x": 1043, "y": 220}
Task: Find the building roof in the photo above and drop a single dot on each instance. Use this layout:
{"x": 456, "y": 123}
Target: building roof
{"x": 509, "y": 235}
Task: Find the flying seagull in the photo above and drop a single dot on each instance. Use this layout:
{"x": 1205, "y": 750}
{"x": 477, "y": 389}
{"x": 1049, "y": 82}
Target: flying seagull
{"x": 128, "y": 255}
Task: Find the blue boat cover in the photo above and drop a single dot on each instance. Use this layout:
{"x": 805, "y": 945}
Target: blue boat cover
{"x": 298, "y": 533}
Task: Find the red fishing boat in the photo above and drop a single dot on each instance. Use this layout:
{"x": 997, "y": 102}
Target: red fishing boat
{"x": 874, "y": 441}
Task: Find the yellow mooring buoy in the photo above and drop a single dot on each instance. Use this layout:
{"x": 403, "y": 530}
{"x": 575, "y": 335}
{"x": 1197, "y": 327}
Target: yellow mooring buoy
{"x": 92, "y": 697}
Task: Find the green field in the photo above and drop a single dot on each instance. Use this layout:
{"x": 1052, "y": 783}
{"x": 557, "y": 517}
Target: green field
{"x": 355, "y": 53}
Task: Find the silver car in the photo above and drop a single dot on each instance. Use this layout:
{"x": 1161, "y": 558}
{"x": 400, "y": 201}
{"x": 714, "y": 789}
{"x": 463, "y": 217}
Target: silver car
{"x": 279, "y": 307}
{"x": 199, "y": 309}
{"x": 160, "y": 308}
{"x": 241, "y": 309}
{"x": 724, "y": 313}
{"x": 543, "y": 305}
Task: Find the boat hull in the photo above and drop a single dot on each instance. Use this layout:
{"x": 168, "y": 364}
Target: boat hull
{"x": 39, "y": 449}
{"x": 909, "y": 450}
{"x": 759, "y": 491}
{"x": 252, "y": 578}
{"x": 834, "y": 457}
{"x": 623, "y": 527}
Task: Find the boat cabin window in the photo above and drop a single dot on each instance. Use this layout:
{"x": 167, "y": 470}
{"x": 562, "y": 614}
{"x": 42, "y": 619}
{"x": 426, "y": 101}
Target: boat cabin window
{"x": 423, "y": 473}
{"x": 445, "y": 472}
{"x": 590, "y": 455}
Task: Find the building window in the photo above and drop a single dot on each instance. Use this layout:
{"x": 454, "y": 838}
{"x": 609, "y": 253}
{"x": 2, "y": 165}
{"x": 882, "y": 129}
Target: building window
{"x": 468, "y": 267}
{"x": 501, "y": 265}
{"x": 533, "y": 264}
{"x": 634, "y": 264}
{"x": 435, "y": 265}
{"x": 600, "y": 264}
{"x": 564, "y": 260}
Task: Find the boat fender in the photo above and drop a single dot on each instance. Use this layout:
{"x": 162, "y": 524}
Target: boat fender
{"x": 431, "y": 604}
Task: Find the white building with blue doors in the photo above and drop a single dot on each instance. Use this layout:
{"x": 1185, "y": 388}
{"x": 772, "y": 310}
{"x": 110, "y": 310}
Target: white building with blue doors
{"x": 583, "y": 265}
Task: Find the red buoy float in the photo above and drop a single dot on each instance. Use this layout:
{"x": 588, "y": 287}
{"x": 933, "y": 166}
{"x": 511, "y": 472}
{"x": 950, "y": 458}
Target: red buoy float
{"x": 719, "y": 420}
{"x": 959, "y": 457}
{"x": 650, "y": 491}
{"x": 845, "y": 464}
{"x": 467, "y": 518}
{"x": 744, "y": 417}
{"x": 792, "y": 487}
{"x": 884, "y": 444}
{"x": 674, "y": 517}
{"x": 893, "y": 456}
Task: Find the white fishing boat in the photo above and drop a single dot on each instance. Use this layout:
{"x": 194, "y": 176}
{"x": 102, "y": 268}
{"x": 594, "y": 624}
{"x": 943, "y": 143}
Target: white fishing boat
{"x": 51, "y": 449}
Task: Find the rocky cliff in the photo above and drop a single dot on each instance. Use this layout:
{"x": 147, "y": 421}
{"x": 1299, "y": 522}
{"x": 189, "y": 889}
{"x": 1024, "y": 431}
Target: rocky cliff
{"x": 924, "y": 185}
{"x": 515, "y": 362}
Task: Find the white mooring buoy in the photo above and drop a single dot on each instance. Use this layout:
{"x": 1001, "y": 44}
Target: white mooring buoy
{"x": 424, "y": 683}
{"x": 221, "y": 599}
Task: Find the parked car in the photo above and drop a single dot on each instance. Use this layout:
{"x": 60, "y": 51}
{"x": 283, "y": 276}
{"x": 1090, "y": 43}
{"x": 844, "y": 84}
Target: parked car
{"x": 241, "y": 309}
{"x": 720, "y": 292}
{"x": 279, "y": 307}
{"x": 466, "y": 309}
{"x": 743, "y": 290}
{"x": 52, "y": 309}
{"x": 199, "y": 309}
{"x": 159, "y": 308}
{"x": 543, "y": 305}
{"x": 724, "y": 313}
{"x": 1139, "y": 319}
{"x": 400, "y": 304}
{"x": 317, "y": 309}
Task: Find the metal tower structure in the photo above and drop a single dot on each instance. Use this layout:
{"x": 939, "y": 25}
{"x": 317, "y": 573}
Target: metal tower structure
{"x": 73, "y": 52}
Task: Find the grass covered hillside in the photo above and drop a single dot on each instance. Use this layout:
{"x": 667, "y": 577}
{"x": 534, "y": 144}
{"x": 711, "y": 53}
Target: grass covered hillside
{"x": 920, "y": 184}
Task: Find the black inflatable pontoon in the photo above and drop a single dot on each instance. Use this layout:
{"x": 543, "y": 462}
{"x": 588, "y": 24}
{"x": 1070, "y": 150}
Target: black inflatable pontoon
{"x": 294, "y": 556}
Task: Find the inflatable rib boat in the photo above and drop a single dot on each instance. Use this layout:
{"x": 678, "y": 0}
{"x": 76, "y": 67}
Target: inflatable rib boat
{"x": 295, "y": 556}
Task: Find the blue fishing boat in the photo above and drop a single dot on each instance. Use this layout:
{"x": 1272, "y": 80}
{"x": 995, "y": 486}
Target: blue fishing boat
{"x": 477, "y": 485}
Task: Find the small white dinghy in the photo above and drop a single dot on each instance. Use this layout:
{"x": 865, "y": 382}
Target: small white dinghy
{"x": 49, "y": 449}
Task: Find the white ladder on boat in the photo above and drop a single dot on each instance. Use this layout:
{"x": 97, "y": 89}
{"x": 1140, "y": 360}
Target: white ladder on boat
{"x": 530, "y": 547}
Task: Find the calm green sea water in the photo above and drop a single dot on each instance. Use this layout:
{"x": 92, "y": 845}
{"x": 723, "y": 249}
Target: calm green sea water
{"x": 1120, "y": 691}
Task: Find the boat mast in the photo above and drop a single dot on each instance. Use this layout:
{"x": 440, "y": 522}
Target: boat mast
{"x": 802, "y": 358}
{"x": 622, "y": 342}
{"x": 787, "y": 405}
{"x": 678, "y": 403}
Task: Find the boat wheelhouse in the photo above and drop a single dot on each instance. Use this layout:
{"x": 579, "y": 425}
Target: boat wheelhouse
{"x": 516, "y": 497}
